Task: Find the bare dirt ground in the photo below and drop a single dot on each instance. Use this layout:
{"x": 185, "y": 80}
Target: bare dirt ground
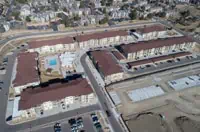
{"x": 148, "y": 123}
{"x": 171, "y": 105}
{"x": 185, "y": 124}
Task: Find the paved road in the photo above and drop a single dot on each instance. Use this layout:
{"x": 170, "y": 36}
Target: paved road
{"x": 103, "y": 102}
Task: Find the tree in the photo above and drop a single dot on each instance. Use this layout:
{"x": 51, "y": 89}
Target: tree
{"x": 109, "y": 3}
{"x": 16, "y": 15}
{"x": 103, "y": 2}
{"x": 22, "y": 1}
{"x": 185, "y": 13}
{"x": 133, "y": 14}
{"x": 76, "y": 18}
{"x": 66, "y": 21}
{"x": 28, "y": 19}
{"x": 82, "y": 4}
{"x": 104, "y": 10}
{"x": 104, "y": 20}
{"x": 124, "y": 7}
{"x": 65, "y": 9}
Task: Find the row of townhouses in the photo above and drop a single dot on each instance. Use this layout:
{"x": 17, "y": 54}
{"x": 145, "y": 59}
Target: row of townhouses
{"x": 146, "y": 49}
{"x": 80, "y": 42}
{"x": 106, "y": 38}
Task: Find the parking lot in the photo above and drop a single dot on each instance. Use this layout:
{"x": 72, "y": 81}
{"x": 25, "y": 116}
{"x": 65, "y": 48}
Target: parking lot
{"x": 81, "y": 123}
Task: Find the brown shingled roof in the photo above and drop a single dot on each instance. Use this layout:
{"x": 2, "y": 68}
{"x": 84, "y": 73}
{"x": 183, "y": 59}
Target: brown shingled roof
{"x": 161, "y": 58}
{"x": 143, "y": 45}
{"x": 152, "y": 28}
{"x": 106, "y": 62}
{"x": 182, "y": 54}
{"x": 50, "y": 42}
{"x": 101, "y": 35}
{"x": 26, "y": 69}
{"x": 32, "y": 97}
{"x": 118, "y": 55}
{"x": 140, "y": 62}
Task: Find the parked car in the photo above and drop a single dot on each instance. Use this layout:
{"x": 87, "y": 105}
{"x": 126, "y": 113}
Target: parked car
{"x": 108, "y": 113}
{"x": 93, "y": 115}
{"x": 95, "y": 119}
{"x": 79, "y": 122}
{"x": 72, "y": 121}
{"x": 41, "y": 112}
{"x": 57, "y": 127}
{"x": 98, "y": 127}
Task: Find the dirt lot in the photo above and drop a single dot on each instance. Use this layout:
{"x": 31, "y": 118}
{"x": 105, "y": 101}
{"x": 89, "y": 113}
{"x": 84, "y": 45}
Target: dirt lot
{"x": 148, "y": 123}
{"x": 185, "y": 124}
{"x": 167, "y": 118}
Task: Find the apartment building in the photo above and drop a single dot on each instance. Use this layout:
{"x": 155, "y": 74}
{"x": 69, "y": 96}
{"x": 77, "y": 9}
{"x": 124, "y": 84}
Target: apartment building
{"x": 151, "y": 32}
{"x": 44, "y": 98}
{"x": 102, "y": 39}
{"x": 107, "y": 66}
{"x": 53, "y": 45}
{"x": 157, "y": 60}
{"x": 25, "y": 71}
{"x": 146, "y": 49}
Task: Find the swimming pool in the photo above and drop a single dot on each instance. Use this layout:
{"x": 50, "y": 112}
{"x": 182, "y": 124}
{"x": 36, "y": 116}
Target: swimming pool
{"x": 52, "y": 62}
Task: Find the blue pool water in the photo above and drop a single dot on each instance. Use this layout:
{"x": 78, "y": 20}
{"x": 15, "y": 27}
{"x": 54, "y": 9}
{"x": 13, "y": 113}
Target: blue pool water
{"x": 52, "y": 62}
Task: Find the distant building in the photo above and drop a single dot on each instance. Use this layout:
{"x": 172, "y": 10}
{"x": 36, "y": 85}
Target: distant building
{"x": 26, "y": 72}
{"x": 120, "y": 14}
{"x": 107, "y": 66}
{"x": 53, "y": 45}
{"x": 25, "y": 10}
{"x": 43, "y": 17}
{"x": 145, "y": 49}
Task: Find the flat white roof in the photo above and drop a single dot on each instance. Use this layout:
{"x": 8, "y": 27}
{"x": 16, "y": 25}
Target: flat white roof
{"x": 16, "y": 112}
{"x": 67, "y": 58}
{"x": 186, "y": 82}
{"x": 145, "y": 93}
{"x": 115, "y": 97}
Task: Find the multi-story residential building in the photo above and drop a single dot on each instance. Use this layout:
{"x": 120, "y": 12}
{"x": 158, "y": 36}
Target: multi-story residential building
{"x": 52, "y": 46}
{"x": 146, "y": 49}
{"x": 102, "y": 39}
{"x": 43, "y": 98}
{"x": 25, "y": 73}
{"x": 107, "y": 66}
{"x": 151, "y": 32}
{"x": 156, "y": 60}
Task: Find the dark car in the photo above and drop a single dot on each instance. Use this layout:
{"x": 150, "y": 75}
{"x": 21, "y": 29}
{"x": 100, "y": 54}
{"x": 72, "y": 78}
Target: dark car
{"x": 57, "y": 127}
{"x": 72, "y": 121}
{"x": 108, "y": 113}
